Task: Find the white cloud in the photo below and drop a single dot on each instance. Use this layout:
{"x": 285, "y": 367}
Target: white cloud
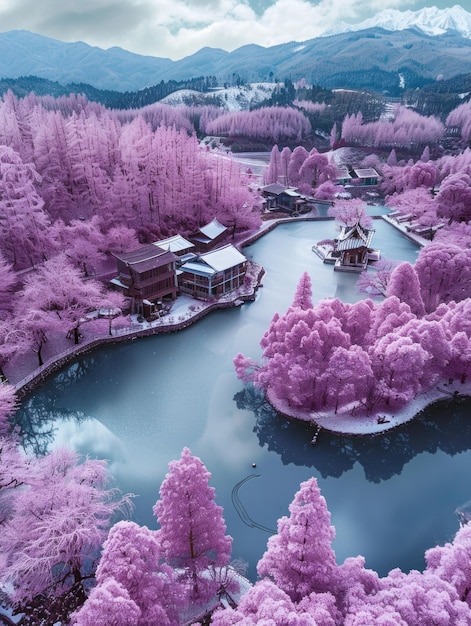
{"x": 181, "y": 27}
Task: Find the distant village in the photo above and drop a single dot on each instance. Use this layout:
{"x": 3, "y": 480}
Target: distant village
{"x": 204, "y": 266}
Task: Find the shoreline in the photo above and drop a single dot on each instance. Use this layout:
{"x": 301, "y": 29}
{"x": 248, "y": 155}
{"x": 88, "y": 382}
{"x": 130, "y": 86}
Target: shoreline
{"x": 378, "y": 423}
{"x": 38, "y": 375}
{"x": 340, "y": 423}
{"x": 163, "y": 325}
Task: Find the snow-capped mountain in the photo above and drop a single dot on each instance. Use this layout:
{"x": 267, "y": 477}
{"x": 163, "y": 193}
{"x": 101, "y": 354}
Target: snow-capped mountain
{"x": 431, "y": 21}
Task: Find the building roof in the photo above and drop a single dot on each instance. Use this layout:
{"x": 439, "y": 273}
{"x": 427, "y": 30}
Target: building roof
{"x": 215, "y": 261}
{"x": 366, "y": 172}
{"x": 146, "y": 257}
{"x": 274, "y": 188}
{"x": 352, "y": 237}
{"x": 291, "y": 192}
{"x": 212, "y": 230}
{"x": 342, "y": 173}
{"x": 177, "y": 243}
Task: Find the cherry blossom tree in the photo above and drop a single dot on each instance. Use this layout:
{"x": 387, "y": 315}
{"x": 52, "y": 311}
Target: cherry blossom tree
{"x": 8, "y": 404}
{"x": 61, "y": 298}
{"x": 8, "y": 281}
{"x": 192, "y": 530}
{"x": 300, "y": 558}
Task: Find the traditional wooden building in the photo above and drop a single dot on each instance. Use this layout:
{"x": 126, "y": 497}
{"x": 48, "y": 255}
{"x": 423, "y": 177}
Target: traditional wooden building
{"x": 209, "y": 236}
{"x": 352, "y": 249}
{"x": 147, "y": 277}
{"x": 278, "y": 197}
{"x": 213, "y": 273}
{"x": 180, "y": 246}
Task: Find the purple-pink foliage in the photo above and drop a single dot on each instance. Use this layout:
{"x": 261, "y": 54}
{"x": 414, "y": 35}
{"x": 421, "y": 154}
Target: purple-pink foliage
{"x": 55, "y": 525}
{"x": 300, "y": 558}
{"x": 333, "y": 356}
{"x": 407, "y": 128}
{"x": 192, "y": 530}
{"x": 275, "y": 123}
{"x": 131, "y": 560}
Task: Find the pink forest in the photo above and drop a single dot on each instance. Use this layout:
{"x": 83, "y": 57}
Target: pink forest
{"x": 80, "y": 184}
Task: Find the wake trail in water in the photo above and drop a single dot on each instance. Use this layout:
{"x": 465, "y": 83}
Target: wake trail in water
{"x": 241, "y": 511}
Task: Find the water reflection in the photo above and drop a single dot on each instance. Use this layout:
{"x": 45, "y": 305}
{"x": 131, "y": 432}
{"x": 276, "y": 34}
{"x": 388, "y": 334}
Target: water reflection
{"x": 445, "y": 426}
{"x": 37, "y": 422}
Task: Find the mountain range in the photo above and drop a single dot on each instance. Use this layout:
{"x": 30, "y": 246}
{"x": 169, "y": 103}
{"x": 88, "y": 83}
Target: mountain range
{"x": 406, "y": 48}
{"x": 430, "y": 20}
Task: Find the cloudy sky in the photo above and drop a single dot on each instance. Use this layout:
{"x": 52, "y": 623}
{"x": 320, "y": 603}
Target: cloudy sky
{"x": 177, "y": 28}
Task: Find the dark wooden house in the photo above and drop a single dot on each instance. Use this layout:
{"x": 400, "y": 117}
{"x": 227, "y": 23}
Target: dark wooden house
{"x": 147, "y": 277}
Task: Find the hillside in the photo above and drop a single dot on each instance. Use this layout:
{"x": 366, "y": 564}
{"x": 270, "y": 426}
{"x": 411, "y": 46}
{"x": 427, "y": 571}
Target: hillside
{"x": 396, "y": 54}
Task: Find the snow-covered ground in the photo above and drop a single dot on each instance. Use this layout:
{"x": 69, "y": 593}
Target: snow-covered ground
{"x": 230, "y": 98}
{"x": 379, "y": 421}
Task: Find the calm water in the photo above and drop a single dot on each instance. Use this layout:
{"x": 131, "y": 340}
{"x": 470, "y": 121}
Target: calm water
{"x": 137, "y": 405}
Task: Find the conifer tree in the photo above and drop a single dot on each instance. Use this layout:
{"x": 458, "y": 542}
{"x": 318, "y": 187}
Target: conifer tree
{"x": 192, "y": 529}
{"x": 300, "y": 558}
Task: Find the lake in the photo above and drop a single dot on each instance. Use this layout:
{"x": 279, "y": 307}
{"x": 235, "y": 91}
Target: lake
{"x": 138, "y": 404}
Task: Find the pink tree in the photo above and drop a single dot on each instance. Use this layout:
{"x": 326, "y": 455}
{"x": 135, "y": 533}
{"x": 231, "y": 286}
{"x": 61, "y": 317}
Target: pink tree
{"x": 350, "y": 212}
{"x": 418, "y": 204}
{"x": 398, "y": 364}
{"x": 349, "y": 376}
{"x": 8, "y": 281}
{"x": 285, "y": 159}
{"x": 297, "y": 158}
{"x": 265, "y": 603}
{"x": 131, "y": 557}
{"x": 300, "y": 558}
{"x": 61, "y": 296}
{"x": 444, "y": 272}
{"x": 192, "y": 529}
{"x": 303, "y": 294}
{"x": 410, "y": 599}
{"x": 404, "y": 283}
{"x": 13, "y": 340}
{"x": 109, "y": 604}
{"x": 452, "y": 563}
{"x": 454, "y": 198}
{"x": 54, "y": 531}
{"x": 316, "y": 169}
{"x": 24, "y": 224}
{"x": 274, "y": 167}
{"x": 8, "y": 404}
{"x": 374, "y": 281}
